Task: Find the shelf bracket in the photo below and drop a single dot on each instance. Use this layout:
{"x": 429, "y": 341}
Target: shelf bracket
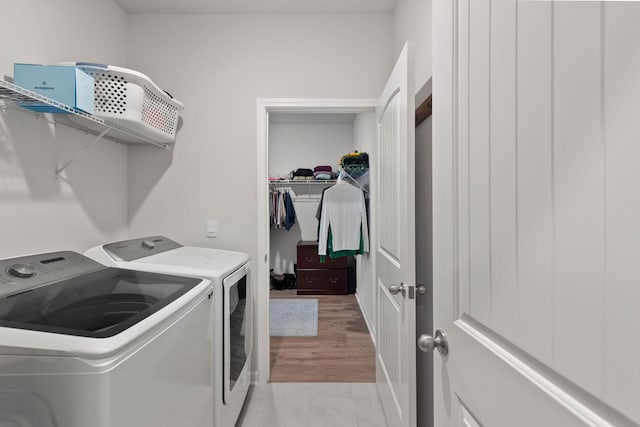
{"x": 81, "y": 152}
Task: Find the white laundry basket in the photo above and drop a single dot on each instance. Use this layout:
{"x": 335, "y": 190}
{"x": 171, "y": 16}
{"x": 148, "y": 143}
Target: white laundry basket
{"x": 130, "y": 99}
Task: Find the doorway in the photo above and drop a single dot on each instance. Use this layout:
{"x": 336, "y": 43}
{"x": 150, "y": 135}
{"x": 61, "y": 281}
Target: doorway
{"x": 424, "y": 251}
{"x": 273, "y": 114}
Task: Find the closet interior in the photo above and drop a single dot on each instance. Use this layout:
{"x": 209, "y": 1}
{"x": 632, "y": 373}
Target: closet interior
{"x": 300, "y": 142}
{"x": 306, "y": 141}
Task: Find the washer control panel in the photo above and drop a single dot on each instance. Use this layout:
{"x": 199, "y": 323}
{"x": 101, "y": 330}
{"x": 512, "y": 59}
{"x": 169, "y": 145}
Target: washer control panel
{"x": 129, "y": 250}
{"x": 20, "y": 274}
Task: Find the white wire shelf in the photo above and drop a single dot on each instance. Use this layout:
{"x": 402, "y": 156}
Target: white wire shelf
{"x": 300, "y": 181}
{"x": 12, "y": 95}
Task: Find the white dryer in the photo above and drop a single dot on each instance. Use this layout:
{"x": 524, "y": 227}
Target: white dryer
{"x": 83, "y": 345}
{"x": 230, "y": 274}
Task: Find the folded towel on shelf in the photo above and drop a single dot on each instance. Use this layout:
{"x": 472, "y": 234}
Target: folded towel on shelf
{"x": 323, "y": 176}
{"x": 303, "y": 172}
{"x": 323, "y": 168}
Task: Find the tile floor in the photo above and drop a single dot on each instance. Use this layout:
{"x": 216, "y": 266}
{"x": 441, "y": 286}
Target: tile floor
{"x": 313, "y": 405}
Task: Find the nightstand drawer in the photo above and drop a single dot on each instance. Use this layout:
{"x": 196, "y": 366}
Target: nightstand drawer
{"x": 308, "y": 258}
{"x": 322, "y": 279}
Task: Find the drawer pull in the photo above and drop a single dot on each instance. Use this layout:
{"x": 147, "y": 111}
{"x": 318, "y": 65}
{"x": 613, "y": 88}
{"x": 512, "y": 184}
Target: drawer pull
{"x": 309, "y": 279}
{"x": 308, "y": 259}
{"x": 333, "y": 280}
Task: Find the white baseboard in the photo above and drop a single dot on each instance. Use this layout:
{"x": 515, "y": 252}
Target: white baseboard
{"x": 368, "y": 321}
{"x": 253, "y": 378}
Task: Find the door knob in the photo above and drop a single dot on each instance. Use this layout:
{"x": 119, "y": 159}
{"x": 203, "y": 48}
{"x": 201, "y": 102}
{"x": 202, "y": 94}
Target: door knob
{"x": 427, "y": 343}
{"x": 396, "y": 289}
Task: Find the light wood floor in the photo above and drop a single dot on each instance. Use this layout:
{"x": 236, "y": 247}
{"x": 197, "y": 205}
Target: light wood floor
{"x": 342, "y": 351}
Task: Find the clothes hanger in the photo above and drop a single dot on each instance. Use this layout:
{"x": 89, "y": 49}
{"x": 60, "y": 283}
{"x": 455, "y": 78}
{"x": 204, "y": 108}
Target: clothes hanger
{"x": 344, "y": 174}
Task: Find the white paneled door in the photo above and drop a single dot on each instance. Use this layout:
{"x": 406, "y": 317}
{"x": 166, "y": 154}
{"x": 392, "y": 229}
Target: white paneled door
{"x": 395, "y": 247}
{"x": 537, "y": 212}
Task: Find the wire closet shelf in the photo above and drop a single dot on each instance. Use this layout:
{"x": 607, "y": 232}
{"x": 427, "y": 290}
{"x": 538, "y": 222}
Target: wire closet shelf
{"x": 287, "y": 182}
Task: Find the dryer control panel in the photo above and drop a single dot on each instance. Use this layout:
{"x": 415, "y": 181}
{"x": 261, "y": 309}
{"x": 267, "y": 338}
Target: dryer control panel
{"x": 32, "y": 271}
{"x": 129, "y": 250}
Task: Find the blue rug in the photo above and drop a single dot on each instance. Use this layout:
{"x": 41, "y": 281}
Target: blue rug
{"x": 293, "y": 317}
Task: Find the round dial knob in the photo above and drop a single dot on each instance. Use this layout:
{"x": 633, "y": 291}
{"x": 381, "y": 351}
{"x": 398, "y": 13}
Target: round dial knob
{"x": 148, "y": 244}
{"x": 23, "y": 271}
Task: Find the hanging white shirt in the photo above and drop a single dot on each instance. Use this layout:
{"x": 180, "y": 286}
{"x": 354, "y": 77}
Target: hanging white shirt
{"x": 343, "y": 209}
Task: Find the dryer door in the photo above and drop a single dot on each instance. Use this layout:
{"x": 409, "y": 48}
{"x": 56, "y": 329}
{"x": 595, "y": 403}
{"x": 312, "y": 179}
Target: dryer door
{"x": 237, "y": 329}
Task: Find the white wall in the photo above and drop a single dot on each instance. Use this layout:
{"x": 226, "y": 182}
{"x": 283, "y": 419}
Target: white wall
{"x": 306, "y": 145}
{"x": 39, "y": 213}
{"x": 365, "y": 141}
{"x": 412, "y": 21}
{"x": 218, "y": 65}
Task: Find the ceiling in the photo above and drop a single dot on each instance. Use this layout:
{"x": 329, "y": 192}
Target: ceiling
{"x": 289, "y": 7}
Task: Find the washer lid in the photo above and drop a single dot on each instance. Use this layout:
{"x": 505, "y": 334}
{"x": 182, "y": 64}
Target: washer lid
{"x": 97, "y": 304}
{"x": 196, "y": 261}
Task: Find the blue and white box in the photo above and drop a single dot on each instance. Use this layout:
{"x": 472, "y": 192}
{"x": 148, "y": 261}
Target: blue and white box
{"x": 67, "y": 85}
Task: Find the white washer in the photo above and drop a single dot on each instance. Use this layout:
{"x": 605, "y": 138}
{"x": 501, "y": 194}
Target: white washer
{"x": 230, "y": 274}
{"x": 83, "y": 345}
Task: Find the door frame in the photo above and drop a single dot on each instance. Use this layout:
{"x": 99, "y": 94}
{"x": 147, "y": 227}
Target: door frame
{"x": 261, "y": 362}
{"x": 444, "y": 205}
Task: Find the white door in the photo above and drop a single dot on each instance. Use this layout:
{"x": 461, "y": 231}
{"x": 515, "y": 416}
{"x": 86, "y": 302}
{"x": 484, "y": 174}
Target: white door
{"x": 537, "y": 212}
{"x": 395, "y": 247}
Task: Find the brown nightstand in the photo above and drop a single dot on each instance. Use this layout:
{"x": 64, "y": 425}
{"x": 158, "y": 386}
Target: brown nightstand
{"x": 331, "y": 277}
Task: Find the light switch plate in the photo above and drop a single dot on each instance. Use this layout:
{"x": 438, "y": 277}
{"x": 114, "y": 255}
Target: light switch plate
{"x": 212, "y": 228}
